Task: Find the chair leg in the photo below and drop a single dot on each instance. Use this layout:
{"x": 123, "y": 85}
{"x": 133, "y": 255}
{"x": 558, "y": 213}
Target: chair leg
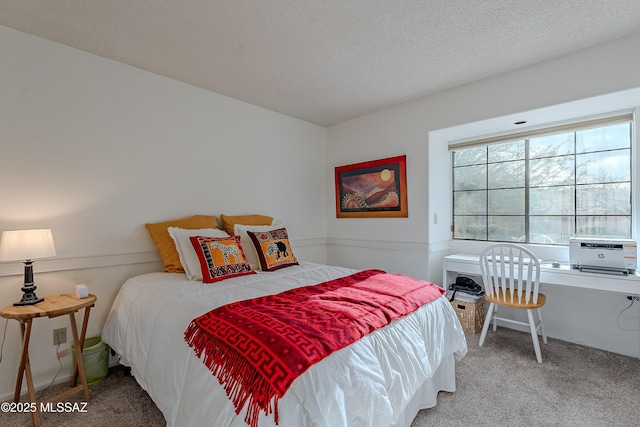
{"x": 485, "y": 327}
{"x": 495, "y": 321}
{"x": 534, "y": 335}
{"x": 541, "y": 323}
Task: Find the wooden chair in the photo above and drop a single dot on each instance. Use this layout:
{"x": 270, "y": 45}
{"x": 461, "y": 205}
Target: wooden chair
{"x": 511, "y": 276}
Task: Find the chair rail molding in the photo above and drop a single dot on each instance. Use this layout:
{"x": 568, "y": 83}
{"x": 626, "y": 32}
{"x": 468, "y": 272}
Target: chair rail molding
{"x": 395, "y": 245}
{"x": 81, "y": 262}
{"x": 15, "y": 268}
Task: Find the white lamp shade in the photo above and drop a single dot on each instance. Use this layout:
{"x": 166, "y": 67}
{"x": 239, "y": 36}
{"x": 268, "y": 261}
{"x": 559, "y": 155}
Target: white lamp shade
{"x": 21, "y": 245}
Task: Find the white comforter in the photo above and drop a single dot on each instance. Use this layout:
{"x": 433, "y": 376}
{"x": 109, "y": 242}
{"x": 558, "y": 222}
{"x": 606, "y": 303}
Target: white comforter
{"x": 369, "y": 383}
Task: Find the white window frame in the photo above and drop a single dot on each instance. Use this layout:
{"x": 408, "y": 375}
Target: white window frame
{"x": 623, "y": 116}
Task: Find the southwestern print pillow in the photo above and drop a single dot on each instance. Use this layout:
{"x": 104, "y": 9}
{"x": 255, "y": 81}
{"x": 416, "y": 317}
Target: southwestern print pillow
{"x": 273, "y": 248}
{"x": 247, "y": 243}
{"x": 188, "y": 257}
{"x": 220, "y": 257}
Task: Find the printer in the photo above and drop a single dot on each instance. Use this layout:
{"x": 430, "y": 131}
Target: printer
{"x": 601, "y": 255}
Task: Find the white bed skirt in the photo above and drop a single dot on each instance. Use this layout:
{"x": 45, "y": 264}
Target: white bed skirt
{"x": 444, "y": 379}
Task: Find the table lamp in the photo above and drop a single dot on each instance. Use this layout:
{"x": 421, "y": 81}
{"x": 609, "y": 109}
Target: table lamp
{"x": 26, "y": 246}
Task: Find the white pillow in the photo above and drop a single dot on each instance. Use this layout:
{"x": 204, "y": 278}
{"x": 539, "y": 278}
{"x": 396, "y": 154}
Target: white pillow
{"x": 247, "y": 244}
{"x": 187, "y": 254}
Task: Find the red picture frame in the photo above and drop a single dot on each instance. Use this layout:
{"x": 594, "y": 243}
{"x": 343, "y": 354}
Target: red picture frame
{"x": 373, "y": 189}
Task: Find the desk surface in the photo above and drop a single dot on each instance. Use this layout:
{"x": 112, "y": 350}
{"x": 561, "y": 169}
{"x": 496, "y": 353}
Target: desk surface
{"x": 557, "y": 276}
{"x": 52, "y": 306}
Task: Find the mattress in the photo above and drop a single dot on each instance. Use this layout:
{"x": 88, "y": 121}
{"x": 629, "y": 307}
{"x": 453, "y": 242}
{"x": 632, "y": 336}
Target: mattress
{"x": 381, "y": 380}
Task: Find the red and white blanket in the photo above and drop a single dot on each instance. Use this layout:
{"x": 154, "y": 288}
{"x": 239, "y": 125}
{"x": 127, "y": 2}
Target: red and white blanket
{"x": 258, "y": 347}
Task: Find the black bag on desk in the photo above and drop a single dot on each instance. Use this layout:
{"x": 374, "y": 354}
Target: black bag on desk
{"x": 465, "y": 284}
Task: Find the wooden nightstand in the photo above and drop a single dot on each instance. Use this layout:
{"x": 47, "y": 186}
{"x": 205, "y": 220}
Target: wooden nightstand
{"x": 52, "y": 306}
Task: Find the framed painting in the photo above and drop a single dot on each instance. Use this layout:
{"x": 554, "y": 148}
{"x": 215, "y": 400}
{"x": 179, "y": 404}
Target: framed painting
{"x": 377, "y": 188}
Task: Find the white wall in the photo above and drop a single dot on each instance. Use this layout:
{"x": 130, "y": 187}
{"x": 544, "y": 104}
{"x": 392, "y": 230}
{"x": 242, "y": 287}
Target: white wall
{"x": 421, "y": 130}
{"x": 94, "y": 149}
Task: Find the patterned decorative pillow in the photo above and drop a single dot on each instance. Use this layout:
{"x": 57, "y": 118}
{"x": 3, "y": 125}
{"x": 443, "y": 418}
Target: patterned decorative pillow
{"x": 220, "y": 258}
{"x": 273, "y": 248}
{"x": 188, "y": 258}
{"x": 247, "y": 243}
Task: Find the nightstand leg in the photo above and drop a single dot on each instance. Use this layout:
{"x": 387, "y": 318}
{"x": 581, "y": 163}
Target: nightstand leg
{"x": 83, "y": 333}
{"x": 24, "y": 356}
{"x": 25, "y": 369}
{"x": 79, "y": 361}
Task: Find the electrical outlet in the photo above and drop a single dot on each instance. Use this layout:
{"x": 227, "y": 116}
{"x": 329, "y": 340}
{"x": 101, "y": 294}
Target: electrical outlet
{"x": 59, "y": 336}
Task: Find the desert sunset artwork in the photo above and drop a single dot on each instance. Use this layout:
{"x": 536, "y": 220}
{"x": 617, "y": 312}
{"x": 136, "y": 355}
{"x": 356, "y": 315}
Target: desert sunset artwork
{"x": 375, "y": 188}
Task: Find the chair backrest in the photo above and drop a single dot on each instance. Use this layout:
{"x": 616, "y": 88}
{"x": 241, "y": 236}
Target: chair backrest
{"x": 513, "y": 268}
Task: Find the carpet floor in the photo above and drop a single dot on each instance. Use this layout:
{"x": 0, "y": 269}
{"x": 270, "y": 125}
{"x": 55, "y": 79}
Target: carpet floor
{"x": 500, "y": 384}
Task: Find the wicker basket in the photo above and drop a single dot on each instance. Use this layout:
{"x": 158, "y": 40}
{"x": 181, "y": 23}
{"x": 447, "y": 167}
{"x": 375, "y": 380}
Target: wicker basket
{"x": 470, "y": 314}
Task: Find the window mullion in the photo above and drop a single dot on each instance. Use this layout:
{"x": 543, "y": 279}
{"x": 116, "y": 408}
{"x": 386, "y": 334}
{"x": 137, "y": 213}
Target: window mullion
{"x": 575, "y": 183}
{"x": 527, "y": 228}
{"x": 486, "y": 227}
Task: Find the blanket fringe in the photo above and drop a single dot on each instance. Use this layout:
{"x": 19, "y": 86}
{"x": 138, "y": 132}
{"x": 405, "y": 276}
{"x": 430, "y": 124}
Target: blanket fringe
{"x": 240, "y": 381}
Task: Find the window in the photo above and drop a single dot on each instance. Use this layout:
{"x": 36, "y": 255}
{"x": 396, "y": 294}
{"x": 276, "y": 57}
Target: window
{"x": 545, "y": 186}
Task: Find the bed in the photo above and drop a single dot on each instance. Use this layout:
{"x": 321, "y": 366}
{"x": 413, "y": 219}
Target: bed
{"x": 383, "y": 379}
{"x": 401, "y": 350}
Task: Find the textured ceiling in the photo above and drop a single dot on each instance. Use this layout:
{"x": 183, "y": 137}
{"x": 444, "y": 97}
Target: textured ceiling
{"x": 326, "y": 61}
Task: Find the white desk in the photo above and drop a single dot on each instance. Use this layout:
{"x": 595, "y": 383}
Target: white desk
{"x": 560, "y": 276}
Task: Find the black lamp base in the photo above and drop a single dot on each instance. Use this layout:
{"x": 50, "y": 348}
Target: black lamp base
{"x": 29, "y": 296}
